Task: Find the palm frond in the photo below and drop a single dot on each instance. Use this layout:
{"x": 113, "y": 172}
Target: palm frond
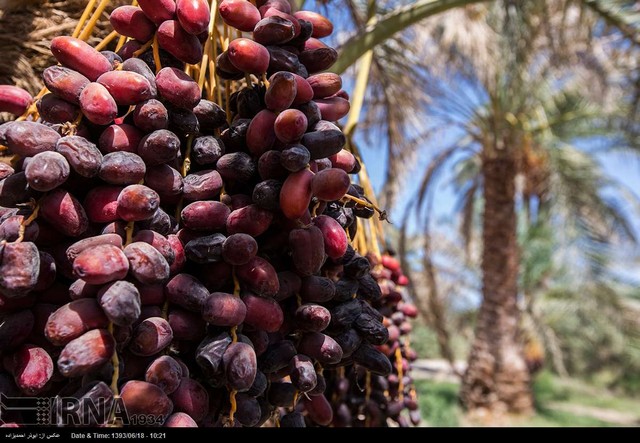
{"x": 396, "y": 21}
{"x": 467, "y": 205}
{"x": 537, "y": 246}
{"x": 431, "y": 172}
{"x": 589, "y": 218}
{"x": 623, "y": 14}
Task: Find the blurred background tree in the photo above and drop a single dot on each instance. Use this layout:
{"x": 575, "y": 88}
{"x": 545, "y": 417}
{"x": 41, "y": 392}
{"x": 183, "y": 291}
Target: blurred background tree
{"x": 531, "y": 93}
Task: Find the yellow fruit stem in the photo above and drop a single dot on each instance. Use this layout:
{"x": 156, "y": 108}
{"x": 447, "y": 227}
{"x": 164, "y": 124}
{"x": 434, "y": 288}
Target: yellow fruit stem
{"x": 234, "y": 339}
{"x": 227, "y": 83}
{"x": 144, "y": 47}
{"x": 211, "y": 52}
{"x": 363, "y": 177}
{"x": 367, "y": 396}
{"x": 359, "y": 201}
{"x": 86, "y": 33}
{"x": 13, "y": 161}
{"x": 204, "y": 64}
{"x": 373, "y": 238}
{"x": 115, "y": 362}
{"x": 129, "y": 232}
{"x": 367, "y": 386}
{"x": 76, "y": 122}
{"x": 213, "y": 90}
{"x": 116, "y": 366}
{"x": 339, "y": 375}
{"x": 32, "y": 110}
{"x": 121, "y": 41}
{"x": 400, "y": 374}
{"x": 184, "y": 170}
{"x": 156, "y": 53}
{"x": 234, "y": 405}
{"x": 296, "y": 397}
{"x": 236, "y": 292}
{"x": 165, "y": 313}
{"x": 186, "y": 164}
{"x": 83, "y": 18}
{"x": 264, "y": 80}
{"x": 361, "y": 240}
{"x": 225, "y": 34}
{"x": 108, "y": 39}
{"x": 214, "y": 83}
{"x": 382, "y": 214}
{"x": 218, "y": 90}
{"x": 314, "y": 210}
{"x": 27, "y": 222}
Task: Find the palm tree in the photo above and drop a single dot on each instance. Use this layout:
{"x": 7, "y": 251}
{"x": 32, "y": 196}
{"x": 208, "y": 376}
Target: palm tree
{"x": 504, "y": 54}
{"x": 559, "y": 178}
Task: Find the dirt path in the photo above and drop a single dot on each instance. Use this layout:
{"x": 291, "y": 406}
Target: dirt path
{"x": 604, "y": 414}
{"x": 440, "y": 371}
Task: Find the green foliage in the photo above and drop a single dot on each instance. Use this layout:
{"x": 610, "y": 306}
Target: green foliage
{"x": 629, "y": 381}
{"x": 424, "y": 341}
{"x": 598, "y": 332}
{"x": 557, "y": 418}
{"x": 439, "y": 403}
{"x": 556, "y": 398}
{"x": 536, "y": 256}
{"x": 619, "y": 13}
{"x": 546, "y": 389}
{"x": 384, "y": 28}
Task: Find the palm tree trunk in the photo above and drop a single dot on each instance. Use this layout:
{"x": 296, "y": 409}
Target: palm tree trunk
{"x": 497, "y": 377}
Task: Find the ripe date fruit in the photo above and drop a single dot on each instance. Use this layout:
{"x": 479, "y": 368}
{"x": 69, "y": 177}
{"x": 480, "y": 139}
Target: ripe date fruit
{"x": 80, "y": 56}
{"x": 239, "y": 14}
{"x": 248, "y": 56}
{"x": 86, "y": 353}
{"x": 102, "y": 264}
{"x": 132, "y": 22}
{"x": 14, "y": 100}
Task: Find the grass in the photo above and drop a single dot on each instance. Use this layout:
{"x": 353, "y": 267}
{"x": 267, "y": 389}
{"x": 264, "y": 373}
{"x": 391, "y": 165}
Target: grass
{"x": 558, "y": 403}
{"x": 555, "y": 418}
{"x": 425, "y": 342}
{"x": 439, "y": 403}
